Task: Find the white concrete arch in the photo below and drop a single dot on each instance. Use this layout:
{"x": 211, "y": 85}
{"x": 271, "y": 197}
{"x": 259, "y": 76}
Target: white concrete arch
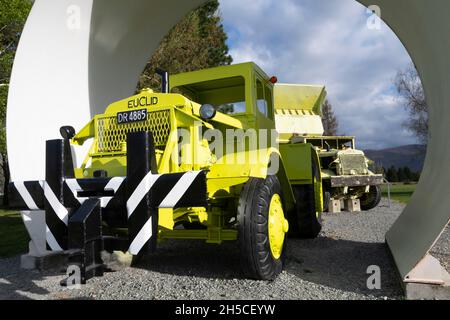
{"x": 424, "y": 28}
{"x": 77, "y": 56}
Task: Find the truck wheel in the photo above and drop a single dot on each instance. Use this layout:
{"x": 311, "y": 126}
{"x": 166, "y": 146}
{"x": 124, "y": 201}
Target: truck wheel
{"x": 372, "y": 199}
{"x": 262, "y": 228}
{"x": 304, "y": 221}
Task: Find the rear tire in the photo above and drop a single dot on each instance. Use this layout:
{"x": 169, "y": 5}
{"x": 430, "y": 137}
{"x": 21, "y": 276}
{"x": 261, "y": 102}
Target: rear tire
{"x": 261, "y": 258}
{"x": 304, "y": 221}
{"x": 372, "y": 199}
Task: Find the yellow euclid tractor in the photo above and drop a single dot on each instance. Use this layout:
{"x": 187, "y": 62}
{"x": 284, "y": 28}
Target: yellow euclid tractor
{"x": 200, "y": 160}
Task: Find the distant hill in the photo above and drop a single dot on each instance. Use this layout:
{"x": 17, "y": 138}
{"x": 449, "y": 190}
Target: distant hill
{"x": 412, "y": 156}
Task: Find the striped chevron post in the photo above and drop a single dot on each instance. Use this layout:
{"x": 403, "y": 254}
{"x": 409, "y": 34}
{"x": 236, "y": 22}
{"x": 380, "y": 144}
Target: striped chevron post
{"x": 178, "y": 190}
{"x": 58, "y": 166}
{"x": 142, "y": 217}
{"x": 28, "y": 195}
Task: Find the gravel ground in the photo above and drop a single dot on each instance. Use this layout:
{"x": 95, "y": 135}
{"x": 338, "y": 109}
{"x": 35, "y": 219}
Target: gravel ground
{"x": 332, "y": 266}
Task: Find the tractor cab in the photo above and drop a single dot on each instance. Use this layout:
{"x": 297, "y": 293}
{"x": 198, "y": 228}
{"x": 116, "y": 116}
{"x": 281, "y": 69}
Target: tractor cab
{"x": 242, "y": 91}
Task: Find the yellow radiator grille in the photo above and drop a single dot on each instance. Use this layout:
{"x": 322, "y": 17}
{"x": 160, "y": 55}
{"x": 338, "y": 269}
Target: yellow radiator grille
{"x": 110, "y": 135}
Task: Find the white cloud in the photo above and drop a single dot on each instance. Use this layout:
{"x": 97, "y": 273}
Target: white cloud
{"x": 326, "y": 42}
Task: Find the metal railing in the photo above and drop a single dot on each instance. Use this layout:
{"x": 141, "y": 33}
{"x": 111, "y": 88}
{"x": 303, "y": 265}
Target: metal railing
{"x": 389, "y": 191}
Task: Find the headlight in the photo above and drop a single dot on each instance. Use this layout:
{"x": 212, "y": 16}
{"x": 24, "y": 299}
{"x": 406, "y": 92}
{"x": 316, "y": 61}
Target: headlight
{"x": 207, "y": 112}
{"x": 67, "y": 132}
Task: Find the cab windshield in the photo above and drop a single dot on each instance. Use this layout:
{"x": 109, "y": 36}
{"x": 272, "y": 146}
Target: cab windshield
{"x": 227, "y": 95}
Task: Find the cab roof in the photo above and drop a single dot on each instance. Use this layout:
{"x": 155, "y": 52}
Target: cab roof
{"x": 216, "y": 77}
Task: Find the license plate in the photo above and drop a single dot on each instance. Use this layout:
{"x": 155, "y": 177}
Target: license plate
{"x": 132, "y": 116}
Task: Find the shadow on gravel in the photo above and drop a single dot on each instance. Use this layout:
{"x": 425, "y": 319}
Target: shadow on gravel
{"x": 195, "y": 259}
{"x": 343, "y": 264}
{"x": 20, "y": 284}
{"x": 14, "y": 281}
{"x": 339, "y": 264}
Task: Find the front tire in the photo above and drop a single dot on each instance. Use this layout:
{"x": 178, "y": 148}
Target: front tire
{"x": 262, "y": 228}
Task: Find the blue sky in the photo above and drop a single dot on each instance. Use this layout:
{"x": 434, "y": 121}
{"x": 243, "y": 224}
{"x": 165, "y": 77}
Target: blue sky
{"x": 327, "y": 42}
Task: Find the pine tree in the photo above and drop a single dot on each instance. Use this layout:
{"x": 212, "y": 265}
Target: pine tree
{"x": 329, "y": 120}
{"x": 408, "y": 174}
{"x": 415, "y": 176}
{"x": 401, "y": 175}
{"x": 197, "y": 42}
{"x": 391, "y": 174}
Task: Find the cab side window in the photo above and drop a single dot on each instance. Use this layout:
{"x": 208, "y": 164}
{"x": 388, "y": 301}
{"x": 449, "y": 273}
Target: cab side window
{"x": 269, "y": 102}
{"x": 264, "y": 98}
{"x": 261, "y": 100}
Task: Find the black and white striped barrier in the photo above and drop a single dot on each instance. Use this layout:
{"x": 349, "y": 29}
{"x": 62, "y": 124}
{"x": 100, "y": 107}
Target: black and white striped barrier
{"x": 133, "y": 201}
{"x": 39, "y": 195}
{"x": 161, "y": 191}
{"x": 27, "y": 195}
{"x": 147, "y": 192}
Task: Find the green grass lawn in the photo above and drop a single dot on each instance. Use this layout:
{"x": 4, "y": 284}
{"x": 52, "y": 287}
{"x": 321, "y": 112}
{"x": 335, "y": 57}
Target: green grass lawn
{"x": 13, "y": 236}
{"x": 400, "y": 192}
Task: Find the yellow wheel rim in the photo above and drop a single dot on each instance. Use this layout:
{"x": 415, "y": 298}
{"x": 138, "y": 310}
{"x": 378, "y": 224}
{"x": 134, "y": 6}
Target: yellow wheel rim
{"x": 278, "y": 226}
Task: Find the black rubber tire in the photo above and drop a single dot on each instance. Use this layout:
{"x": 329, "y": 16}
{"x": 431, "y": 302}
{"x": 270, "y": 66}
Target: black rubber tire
{"x": 304, "y": 223}
{"x": 257, "y": 261}
{"x": 372, "y": 199}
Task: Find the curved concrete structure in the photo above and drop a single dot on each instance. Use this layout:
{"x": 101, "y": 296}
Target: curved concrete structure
{"x": 75, "y": 59}
{"x": 424, "y": 29}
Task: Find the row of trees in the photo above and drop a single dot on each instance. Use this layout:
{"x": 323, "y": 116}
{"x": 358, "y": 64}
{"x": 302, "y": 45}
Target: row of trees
{"x": 394, "y": 174}
{"x": 401, "y": 175}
